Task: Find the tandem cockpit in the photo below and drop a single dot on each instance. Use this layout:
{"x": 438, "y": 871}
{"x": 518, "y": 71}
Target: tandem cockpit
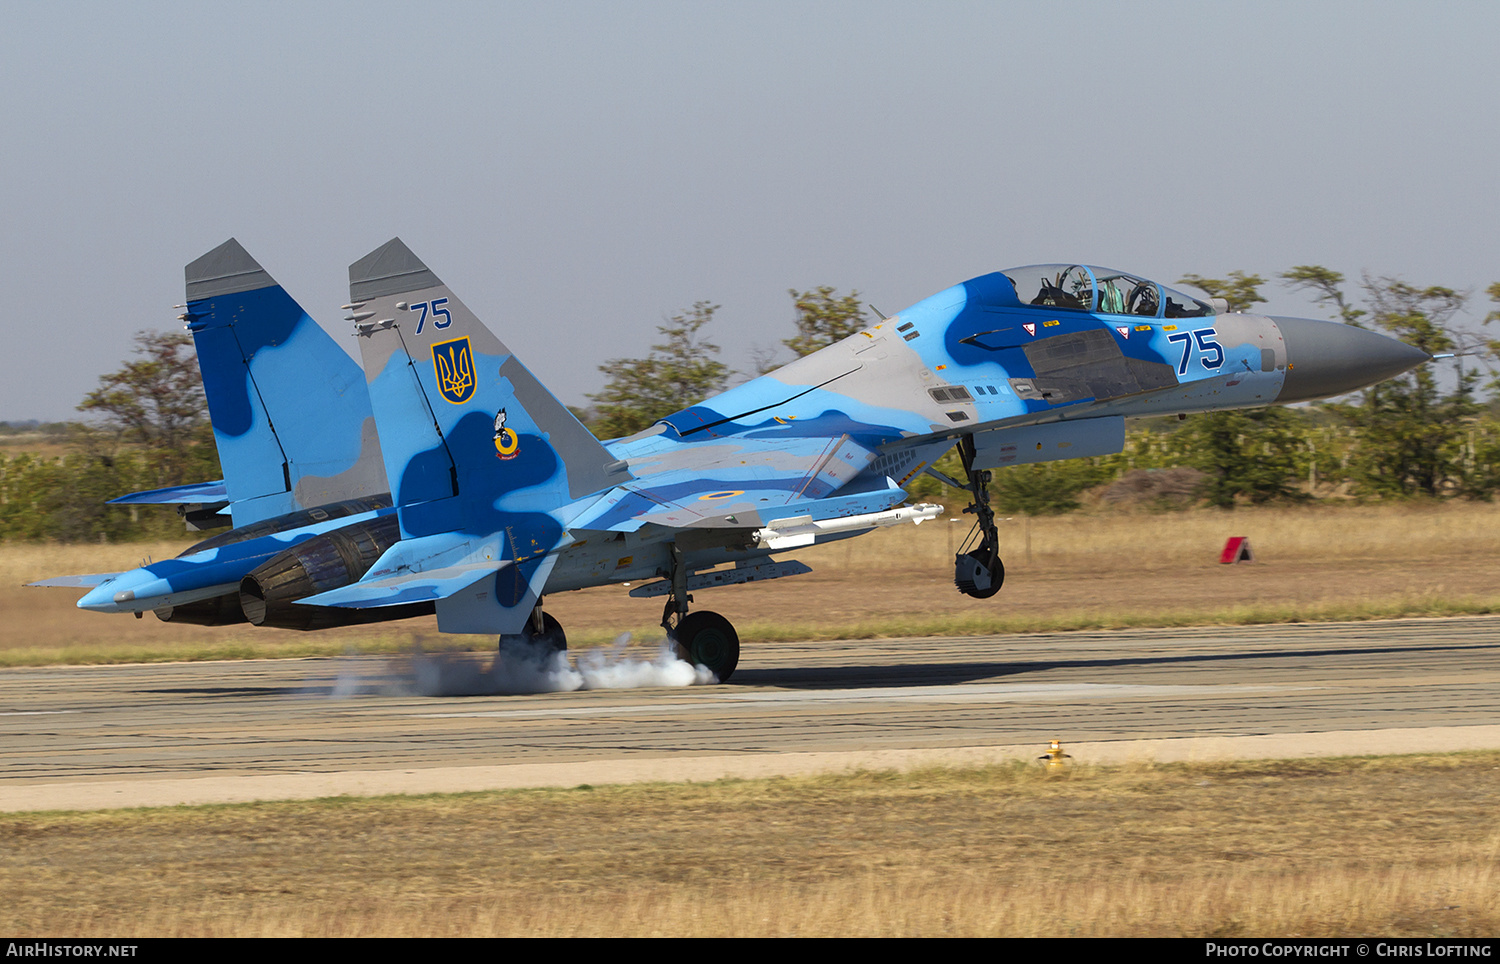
{"x": 1082, "y": 287}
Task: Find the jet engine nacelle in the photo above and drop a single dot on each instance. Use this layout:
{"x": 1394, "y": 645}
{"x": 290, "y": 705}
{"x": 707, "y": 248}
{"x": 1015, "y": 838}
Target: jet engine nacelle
{"x": 268, "y": 595}
{"x": 218, "y": 611}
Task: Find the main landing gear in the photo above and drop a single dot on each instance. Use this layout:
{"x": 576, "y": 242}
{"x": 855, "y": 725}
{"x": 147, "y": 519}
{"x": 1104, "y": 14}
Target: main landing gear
{"x": 542, "y": 632}
{"x": 702, "y": 638}
{"x": 978, "y": 572}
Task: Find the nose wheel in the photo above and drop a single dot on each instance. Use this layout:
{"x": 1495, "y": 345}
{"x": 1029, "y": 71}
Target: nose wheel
{"x": 979, "y": 572}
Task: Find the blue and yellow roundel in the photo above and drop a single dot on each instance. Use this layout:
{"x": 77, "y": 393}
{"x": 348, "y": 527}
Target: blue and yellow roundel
{"x": 453, "y": 367}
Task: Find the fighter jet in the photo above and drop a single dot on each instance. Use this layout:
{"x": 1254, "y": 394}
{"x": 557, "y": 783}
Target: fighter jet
{"x": 501, "y": 496}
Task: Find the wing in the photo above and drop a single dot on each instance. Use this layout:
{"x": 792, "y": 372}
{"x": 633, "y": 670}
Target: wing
{"x": 740, "y": 483}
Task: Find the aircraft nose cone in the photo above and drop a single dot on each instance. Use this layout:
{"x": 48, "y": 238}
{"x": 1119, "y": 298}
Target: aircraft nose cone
{"x": 1326, "y": 358}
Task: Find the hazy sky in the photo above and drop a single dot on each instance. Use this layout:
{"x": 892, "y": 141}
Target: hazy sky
{"x": 577, "y": 171}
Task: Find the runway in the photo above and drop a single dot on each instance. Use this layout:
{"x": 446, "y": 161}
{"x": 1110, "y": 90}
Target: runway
{"x": 83, "y": 737}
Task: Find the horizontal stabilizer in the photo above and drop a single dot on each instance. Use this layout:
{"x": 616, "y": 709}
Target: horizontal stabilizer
{"x": 76, "y": 582}
{"x": 409, "y": 587}
{"x": 199, "y": 493}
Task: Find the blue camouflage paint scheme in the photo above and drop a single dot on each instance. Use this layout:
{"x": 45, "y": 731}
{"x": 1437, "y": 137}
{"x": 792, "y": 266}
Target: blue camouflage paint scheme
{"x": 502, "y": 495}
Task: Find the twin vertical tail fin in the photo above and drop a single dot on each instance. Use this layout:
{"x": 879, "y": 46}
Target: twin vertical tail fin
{"x": 486, "y": 466}
{"x": 290, "y": 412}
{"x": 470, "y": 436}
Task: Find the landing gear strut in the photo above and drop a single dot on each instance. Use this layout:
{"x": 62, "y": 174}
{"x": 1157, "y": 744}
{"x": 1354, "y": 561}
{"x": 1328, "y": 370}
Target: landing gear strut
{"x": 978, "y": 572}
{"x": 702, "y": 638}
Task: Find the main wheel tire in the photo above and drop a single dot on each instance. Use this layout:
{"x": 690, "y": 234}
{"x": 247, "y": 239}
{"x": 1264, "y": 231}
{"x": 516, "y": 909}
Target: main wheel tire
{"x": 970, "y": 569}
{"x": 709, "y": 639}
{"x": 550, "y": 640}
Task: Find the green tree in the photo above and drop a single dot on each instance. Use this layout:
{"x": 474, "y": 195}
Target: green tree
{"x": 1048, "y": 488}
{"x": 156, "y": 402}
{"x": 1411, "y": 435}
{"x": 1323, "y": 283}
{"x": 679, "y": 372}
{"x": 824, "y": 317}
{"x": 1240, "y": 290}
{"x": 153, "y": 431}
{"x": 62, "y": 497}
{"x": 1492, "y": 346}
{"x": 1250, "y": 454}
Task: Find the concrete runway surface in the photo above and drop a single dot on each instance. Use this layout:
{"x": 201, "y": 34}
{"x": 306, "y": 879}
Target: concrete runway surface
{"x": 92, "y": 737}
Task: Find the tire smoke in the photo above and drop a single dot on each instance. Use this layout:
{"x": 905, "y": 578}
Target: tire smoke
{"x": 520, "y": 669}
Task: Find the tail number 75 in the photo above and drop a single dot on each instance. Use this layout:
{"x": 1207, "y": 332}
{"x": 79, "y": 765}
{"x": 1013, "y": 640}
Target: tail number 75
{"x": 1211, "y": 351}
{"x": 438, "y": 311}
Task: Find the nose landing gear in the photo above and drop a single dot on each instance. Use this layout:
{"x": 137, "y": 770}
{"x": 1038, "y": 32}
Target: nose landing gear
{"x": 978, "y": 572}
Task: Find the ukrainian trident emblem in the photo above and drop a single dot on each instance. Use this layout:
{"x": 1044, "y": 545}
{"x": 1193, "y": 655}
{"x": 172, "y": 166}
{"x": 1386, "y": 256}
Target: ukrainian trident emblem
{"x": 453, "y": 366}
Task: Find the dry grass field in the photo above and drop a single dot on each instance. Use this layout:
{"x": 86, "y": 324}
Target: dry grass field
{"x": 1390, "y": 846}
{"x": 36, "y": 444}
{"x": 1087, "y": 570}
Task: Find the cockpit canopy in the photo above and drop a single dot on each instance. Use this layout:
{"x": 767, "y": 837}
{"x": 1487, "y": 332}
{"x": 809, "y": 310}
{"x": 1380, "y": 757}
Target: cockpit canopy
{"x": 1082, "y": 287}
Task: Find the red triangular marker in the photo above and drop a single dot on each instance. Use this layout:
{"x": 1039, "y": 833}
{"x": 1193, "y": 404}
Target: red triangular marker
{"x": 1124, "y": 330}
{"x": 1237, "y": 549}
{"x": 1030, "y": 329}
